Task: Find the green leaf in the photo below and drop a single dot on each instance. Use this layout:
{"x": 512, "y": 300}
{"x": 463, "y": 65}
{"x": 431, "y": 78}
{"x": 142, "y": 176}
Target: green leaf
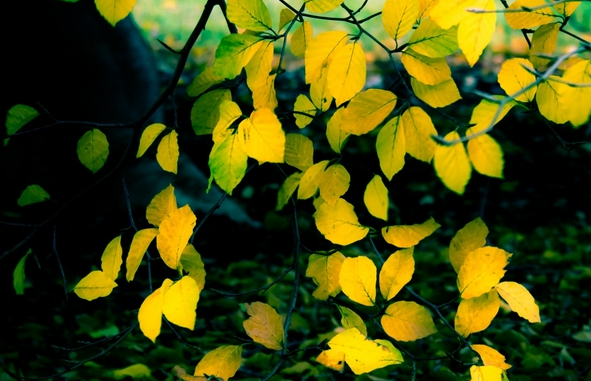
{"x": 233, "y": 53}
{"x": 18, "y": 116}
{"x": 135, "y": 371}
{"x": 93, "y": 150}
{"x": 249, "y": 14}
{"x": 430, "y": 40}
{"x": 228, "y": 163}
{"x": 32, "y": 194}
{"x": 205, "y": 113}
{"x": 18, "y": 276}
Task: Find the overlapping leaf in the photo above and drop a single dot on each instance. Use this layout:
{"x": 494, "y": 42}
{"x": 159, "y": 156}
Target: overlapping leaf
{"x": 204, "y": 81}
{"x": 150, "y": 313}
{"x": 358, "y": 280}
{"x": 346, "y": 73}
{"x": 161, "y": 205}
{"x": 320, "y": 52}
{"x": 333, "y": 183}
{"x": 193, "y": 265}
{"x": 398, "y": 17}
{"x": 264, "y": 325}
{"x": 205, "y": 113}
{"x": 263, "y": 137}
{"x": 430, "y": 71}
{"x": 299, "y": 151}
{"x": 490, "y": 356}
{"x": 528, "y": 17}
{"x": 409, "y": 235}
{"x": 396, "y": 272}
{"x": 233, "y": 53}
{"x": 469, "y": 238}
{"x": 440, "y": 95}
{"x": 350, "y": 319}
{"x": 482, "y": 269}
{"x": 139, "y": 246}
{"x": 324, "y": 271}
{"x": 452, "y": 164}
{"x": 301, "y": 39}
{"x": 367, "y": 110}
{"x": 476, "y": 314}
{"x": 223, "y": 362}
{"x": 180, "y": 302}
{"x": 516, "y": 80}
{"x": 430, "y": 40}
{"x": 174, "y": 233}
{"x": 310, "y": 180}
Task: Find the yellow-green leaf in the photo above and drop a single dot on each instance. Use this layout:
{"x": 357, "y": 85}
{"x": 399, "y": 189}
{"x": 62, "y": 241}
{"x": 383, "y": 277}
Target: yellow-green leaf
{"x": 204, "y": 81}
{"x": 543, "y": 42}
{"x": 229, "y": 112}
{"x": 552, "y": 98}
{"x": 396, "y": 272}
{"x": 150, "y": 313}
{"x": 114, "y": 10}
{"x": 482, "y": 269}
{"x": 409, "y": 235}
{"x": 287, "y": 188}
{"x": 476, "y": 30}
{"x": 93, "y": 150}
{"x": 334, "y": 134}
{"x": 320, "y": 52}
{"x": 193, "y": 265}
{"x": 233, "y": 53}
{"x": 471, "y": 237}
{"x": 303, "y": 105}
{"x": 139, "y": 246}
{"x": 322, "y": 6}
{"x": 332, "y": 358}
{"x": 168, "y": 152}
{"x": 285, "y": 17}
{"x": 112, "y": 258}
{"x": 398, "y": 17}
{"x": 223, "y": 362}
{"x": 18, "y": 275}
{"x": 490, "y": 356}
{"x": 299, "y": 151}
{"x": 18, "y": 116}
{"x": 148, "y": 136}
{"x": 391, "y": 147}
{"x": 364, "y": 355}
{"x": 311, "y": 180}
{"x": 358, "y": 280}
{"x": 476, "y": 314}
{"x": 485, "y": 373}
{"x": 430, "y": 40}
{"x": 161, "y": 205}
{"x": 249, "y": 14}
{"x": 94, "y": 285}
{"x": 264, "y": 94}
{"x": 264, "y": 325}
{"x": 440, "y": 95}
{"x": 514, "y": 79}
{"x": 486, "y": 155}
{"x": 333, "y": 183}
{"x": 174, "y": 233}
{"x": 324, "y": 271}
{"x": 452, "y": 164}
{"x": 320, "y": 93}
{"x": 418, "y": 132}
{"x": 135, "y": 371}
{"x": 520, "y": 300}
{"x": 180, "y": 302}
{"x": 449, "y": 13}
{"x": 522, "y": 16}
{"x": 484, "y": 113}
{"x": 205, "y": 113}
{"x": 338, "y": 223}
{"x": 430, "y": 71}
{"x": 301, "y": 39}
{"x": 347, "y": 72}
{"x": 227, "y": 162}
{"x": 264, "y": 139}
{"x": 376, "y": 198}
{"x": 32, "y": 194}
{"x": 407, "y": 321}
{"x": 259, "y": 66}
{"x": 350, "y": 319}
{"x": 367, "y": 110}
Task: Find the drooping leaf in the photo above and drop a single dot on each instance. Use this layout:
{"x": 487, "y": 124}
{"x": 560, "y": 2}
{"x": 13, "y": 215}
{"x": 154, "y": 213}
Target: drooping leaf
{"x": 112, "y": 258}
{"x": 305, "y": 106}
{"x": 409, "y": 235}
{"x": 476, "y": 30}
{"x": 418, "y": 129}
{"x": 322, "y": 6}
{"x": 301, "y": 39}
{"x": 18, "y": 116}
{"x": 520, "y": 300}
{"x": 193, "y": 265}
{"x": 285, "y": 17}
{"x": 367, "y": 110}
{"x": 430, "y": 40}
{"x": 264, "y": 139}
{"x": 514, "y": 78}
{"x": 310, "y": 180}
{"x": 114, "y": 10}
{"x": 347, "y": 72}
{"x": 452, "y": 164}
{"x": 333, "y": 183}
{"x": 233, "y": 53}
{"x": 320, "y": 52}
{"x": 485, "y": 373}
{"x": 471, "y": 237}
{"x": 334, "y": 134}
{"x": 440, "y": 95}
{"x": 174, "y": 233}
{"x": 398, "y": 17}
{"x": 287, "y": 188}
{"x": 324, "y": 271}
{"x": 476, "y": 314}
{"x": 320, "y": 93}
{"x": 139, "y": 246}
{"x": 579, "y": 109}
{"x": 203, "y": 81}
{"x": 332, "y": 358}
{"x": 180, "y": 302}
{"x": 350, "y": 319}
{"x": 407, "y": 321}
{"x": 528, "y": 17}
{"x": 161, "y": 205}
{"x": 391, "y": 147}
{"x": 150, "y": 313}
{"x": 228, "y": 162}
{"x": 486, "y": 155}
{"x": 339, "y": 223}
{"x": 205, "y": 113}
{"x": 18, "y": 275}
{"x": 223, "y": 362}
{"x": 451, "y": 12}
{"x": 32, "y": 194}
{"x": 249, "y": 14}
{"x": 430, "y": 71}
{"x": 299, "y": 151}
{"x": 358, "y": 280}
{"x": 264, "y": 325}
{"x": 543, "y": 42}
{"x": 551, "y": 100}
{"x": 490, "y": 356}
{"x": 376, "y": 198}
{"x": 148, "y": 136}
{"x": 482, "y": 269}
{"x": 93, "y": 150}
{"x": 94, "y": 285}
{"x": 396, "y": 272}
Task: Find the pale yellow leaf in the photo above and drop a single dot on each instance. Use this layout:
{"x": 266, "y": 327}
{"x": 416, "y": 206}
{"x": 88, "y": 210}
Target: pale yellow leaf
{"x": 476, "y": 30}
{"x": 543, "y": 42}
{"x": 367, "y": 110}
{"x": 333, "y": 359}
{"x": 302, "y": 106}
{"x": 552, "y": 98}
{"x": 339, "y": 223}
{"x": 324, "y": 271}
{"x": 168, "y": 152}
{"x": 476, "y": 314}
{"x": 471, "y": 237}
{"x": 205, "y": 113}
{"x": 430, "y": 40}
{"x": 222, "y": 362}
{"x": 520, "y": 300}
{"x": 490, "y": 356}
{"x": 264, "y": 139}
{"x": 150, "y": 313}
{"x": 430, "y": 71}
{"x": 396, "y": 272}
{"x": 93, "y": 150}
{"x": 484, "y": 113}
{"x": 485, "y": 373}
{"x": 449, "y": 13}
{"x": 527, "y": 17}
{"x": 204, "y": 81}
{"x": 301, "y": 38}
{"x": 320, "y": 52}
{"x": 398, "y": 17}
{"x": 334, "y": 134}
{"x": 376, "y": 198}
{"x": 418, "y": 132}
{"x": 148, "y": 136}
{"x": 112, "y": 258}
{"x": 358, "y": 280}
{"x": 486, "y": 155}
{"x": 174, "y": 233}
{"x": 440, "y": 95}
{"x": 193, "y": 265}
{"x": 299, "y": 151}
{"x": 139, "y": 245}
{"x": 322, "y": 6}
{"x": 94, "y": 285}
{"x": 452, "y": 164}
{"x": 482, "y": 269}
{"x": 285, "y": 17}
{"x": 114, "y": 10}
{"x": 407, "y": 321}
{"x": 260, "y": 65}
{"x": 249, "y": 14}
{"x": 347, "y": 72}
{"x": 233, "y": 53}
{"x": 350, "y": 319}
{"x": 264, "y": 325}
{"x": 514, "y": 79}
{"x": 391, "y": 147}
{"x": 180, "y": 302}
{"x": 161, "y": 205}
{"x": 310, "y": 180}
{"x": 409, "y": 235}
{"x": 287, "y": 188}
{"x": 333, "y": 183}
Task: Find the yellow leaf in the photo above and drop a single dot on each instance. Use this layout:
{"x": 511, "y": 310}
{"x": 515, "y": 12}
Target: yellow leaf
{"x": 579, "y": 109}
{"x": 150, "y": 313}
{"x": 339, "y": 223}
{"x": 566, "y": 9}
{"x": 440, "y": 95}
{"x": 18, "y": 275}
{"x": 484, "y": 113}
{"x": 407, "y": 321}
{"x": 168, "y": 152}
{"x": 264, "y": 325}
{"x": 334, "y": 183}
{"x": 430, "y": 71}
{"x": 335, "y": 135}
{"x": 376, "y": 198}
{"x": 490, "y": 356}
{"x": 260, "y": 65}
{"x": 476, "y": 30}
{"x": 287, "y": 188}
{"x": 409, "y": 235}
{"x": 364, "y": 355}
{"x": 476, "y": 314}
{"x": 543, "y": 42}
{"x": 94, "y": 285}
{"x": 310, "y": 180}
{"x": 324, "y": 271}
{"x": 482, "y": 269}
{"x": 333, "y": 359}
{"x": 452, "y": 164}
{"x": 299, "y": 151}
{"x": 451, "y": 12}
{"x": 358, "y": 280}
{"x": 180, "y": 302}
{"x": 528, "y": 18}
{"x": 264, "y": 95}
{"x": 229, "y": 112}
{"x": 204, "y": 81}
{"x": 347, "y": 72}
{"x": 551, "y": 99}
{"x": 31, "y": 195}
{"x": 425, "y": 7}
{"x": 418, "y": 132}
{"x": 249, "y": 14}
{"x": 367, "y": 110}
{"x": 303, "y": 105}
{"x": 398, "y": 17}
{"x": 350, "y": 319}
{"x": 93, "y": 150}
{"x": 193, "y": 265}
{"x": 264, "y": 139}
{"x": 514, "y": 78}
{"x": 485, "y": 373}
{"x": 486, "y": 155}
{"x": 319, "y": 92}
{"x": 471, "y": 237}
{"x": 205, "y": 113}
{"x": 148, "y": 136}
{"x": 520, "y": 300}
{"x": 430, "y": 40}
{"x": 223, "y": 362}
{"x": 112, "y": 258}
{"x": 227, "y": 162}
{"x": 139, "y": 245}
{"x": 322, "y": 6}
{"x": 161, "y": 205}
{"x": 320, "y": 52}
{"x": 114, "y": 10}
{"x": 301, "y": 38}
{"x": 396, "y": 272}
{"x": 182, "y": 374}
{"x": 285, "y": 17}
{"x": 233, "y": 53}
{"x": 174, "y": 233}
{"x": 391, "y": 147}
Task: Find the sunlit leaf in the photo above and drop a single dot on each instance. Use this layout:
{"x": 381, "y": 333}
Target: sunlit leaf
{"x": 543, "y": 42}
{"x": 303, "y": 105}
{"x": 376, "y": 198}
{"x": 205, "y": 113}
{"x": 350, "y": 319}
{"x": 398, "y": 17}
{"x": 339, "y": 223}
{"x": 452, "y": 164}
{"x": 180, "y": 302}
{"x": 310, "y": 180}
{"x": 514, "y": 78}
{"x": 333, "y": 183}
{"x": 418, "y": 129}
{"x": 264, "y": 325}
{"x": 528, "y": 17}
{"x": 204, "y": 81}
{"x": 430, "y": 40}
{"x": 430, "y": 71}
{"x": 476, "y": 30}
{"x": 285, "y": 17}
{"x": 95, "y": 285}
{"x": 114, "y": 10}
{"x": 168, "y": 152}
{"x": 334, "y": 134}
{"x": 476, "y": 314}
{"x": 150, "y": 313}
{"x": 396, "y": 272}
{"x": 139, "y": 246}
{"x": 174, "y": 233}
{"x": 249, "y": 14}
{"x": 440, "y": 95}
{"x": 407, "y": 321}
{"x": 425, "y": 7}
{"x": 451, "y": 12}
{"x": 93, "y": 150}
{"x": 233, "y": 53}
{"x": 579, "y": 109}
{"x": 482, "y": 269}
{"x": 471, "y": 237}
{"x": 324, "y": 271}
{"x": 260, "y": 65}
{"x": 264, "y": 95}
{"x": 367, "y": 110}
{"x": 112, "y": 258}
{"x": 391, "y": 147}
{"x": 299, "y": 151}
{"x": 520, "y": 300}
{"x": 229, "y": 112}
{"x": 485, "y": 373}
{"x": 319, "y": 92}
{"x": 490, "y": 356}
{"x": 301, "y": 39}
{"x": 287, "y": 188}
{"x": 222, "y": 362}
{"x": 358, "y": 280}
{"x": 347, "y": 72}
{"x": 148, "y": 136}
{"x": 161, "y": 205}
{"x": 551, "y": 100}
{"x": 332, "y": 358}
{"x": 193, "y": 265}
{"x": 32, "y": 195}
{"x": 18, "y": 116}
{"x": 320, "y": 52}
{"x": 264, "y": 139}
{"x": 486, "y": 155}
{"x": 18, "y": 275}
{"x": 409, "y": 235}
{"x": 322, "y": 6}
{"x": 484, "y": 113}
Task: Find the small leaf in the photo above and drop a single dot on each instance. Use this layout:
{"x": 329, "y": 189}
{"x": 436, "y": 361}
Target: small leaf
{"x": 112, "y": 258}
{"x": 287, "y": 188}
{"x": 409, "y": 235}
{"x": 346, "y": 72}
{"x": 520, "y": 300}
{"x": 398, "y": 17}
{"x": 350, "y": 319}
{"x": 93, "y": 150}
{"x": 249, "y": 14}
{"x": 233, "y": 53}
{"x": 18, "y": 116}
{"x": 358, "y": 280}
{"x": 418, "y": 129}
{"x": 148, "y": 136}
{"x": 303, "y": 105}
{"x": 114, "y": 10}
{"x": 205, "y": 113}
{"x": 94, "y": 285}
{"x": 396, "y": 272}
{"x": 407, "y": 321}
{"x": 263, "y": 137}
{"x": 324, "y": 271}
{"x": 301, "y": 39}
{"x": 513, "y": 78}
{"x": 264, "y": 325}
{"x": 319, "y": 92}
{"x": 135, "y": 371}
{"x": 18, "y": 275}
{"x": 139, "y": 246}
{"x": 486, "y": 155}
{"x": 376, "y": 198}
{"x": 285, "y": 17}
{"x": 310, "y": 180}
{"x": 150, "y": 313}
{"x": 333, "y": 359}
{"x": 339, "y": 223}
{"x": 469, "y": 238}
{"x": 485, "y": 373}
{"x": 203, "y": 82}
{"x": 193, "y": 265}
{"x": 174, "y": 233}
{"x": 430, "y": 40}
{"x": 490, "y": 356}
{"x": 168, "y": 152}
{"x": 320, "y": 52}
{"x": 452, "y": 164}
{"x": 476, "y": 314}
{"x": 440, "y": 95}
{"x": 367, "y": 110}
{"x": 299, "y": 151}
{"x": 482, "y": 269}
{"x": 391, "y": 147}
{"x": 32, "y": 194}
{"x": 334, "y": 183}
{"x": 161, "y": 205}
{"x": 222, "y": 362}
{"x": 180, "y": 302}
{"x": 334, "y": 134}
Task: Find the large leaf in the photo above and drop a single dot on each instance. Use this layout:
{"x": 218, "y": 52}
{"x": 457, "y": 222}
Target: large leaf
{"x": 223, "y": 362}
{"x": 476, "y": 30}
{"x": 522, "y": 16}
{"x": 520, "y": 300}
{"x": 93, "y": 149}
{"x": 114, "y": 10}
{"x": 259, "y": 66}
{"x": 482, "y": 269}
{"x": 324, "y": 271}
{"x": 358, "y": 280}
{"x": 249, "y": 14}
{"x": 407, "y": 321}
{"x": 228, "y": 161}
{"x": 396, "y": 272}
{"x": 452, "y": 164}
{"x": 180, "y": 302}
{"x": 264, "y": 325}
{"x": 544, "y": 42}
{"x": 347, "y": 72}
{"x": 338, "y": 223}
{"x": 471, "y": 237}
{"x": 514, "y": 78}
{"x": 418, "y": 129}
{"x": 95, "y": 285}
{"x": 476, "y": 314}
{"x": 409, "y": 235}
{"x": 486, "y": 155}
{"x": 301, "y": 39}
{"x": 263, "y": 137}
{"x": 174, "y": 233}
{"x": 551, "y": 100}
